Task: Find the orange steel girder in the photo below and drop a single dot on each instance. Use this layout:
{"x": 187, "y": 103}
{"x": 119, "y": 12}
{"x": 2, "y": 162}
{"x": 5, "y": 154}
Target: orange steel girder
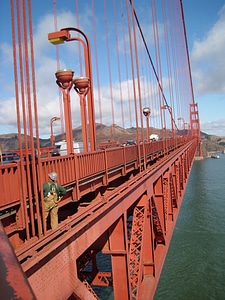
{"x": 118, "y": 245}
{"x": 195, "y": 126}
{"x": 14, "y": 283}
{"x": 133, "y": 223}
{"x": 136, "y": 245}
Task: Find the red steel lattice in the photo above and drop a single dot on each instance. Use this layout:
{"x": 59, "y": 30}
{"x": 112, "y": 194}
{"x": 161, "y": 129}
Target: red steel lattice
{"x": 107, "y": 185}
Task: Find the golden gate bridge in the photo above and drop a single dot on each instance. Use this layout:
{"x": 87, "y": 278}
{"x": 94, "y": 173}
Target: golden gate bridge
{"x": 122, "y": 201}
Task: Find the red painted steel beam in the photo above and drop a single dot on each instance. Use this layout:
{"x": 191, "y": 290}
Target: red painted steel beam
{"x": 118, "y": 246}
{"x": 13, "y": 281}
{"x": 89, "y": 225}
{"x": 94, "y": 225}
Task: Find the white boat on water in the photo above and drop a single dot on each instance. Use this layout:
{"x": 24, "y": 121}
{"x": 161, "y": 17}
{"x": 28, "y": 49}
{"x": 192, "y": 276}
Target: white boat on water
{"x": 215, "y": 156}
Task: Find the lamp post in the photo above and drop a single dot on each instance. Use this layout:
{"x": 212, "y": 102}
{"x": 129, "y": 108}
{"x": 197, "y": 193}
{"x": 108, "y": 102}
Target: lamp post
{"x": 171, "y": 117}
{"x": 182, "y": 119}
{"x": 146, "y": 113}
{"x": 52, "y": 137}
{"x": 81, "y": 86}
{"x": 112, "y": 133}
{"x": 62, "y": 36}
{"x": 65, "y": 82}
{"x": 186, "y": 128}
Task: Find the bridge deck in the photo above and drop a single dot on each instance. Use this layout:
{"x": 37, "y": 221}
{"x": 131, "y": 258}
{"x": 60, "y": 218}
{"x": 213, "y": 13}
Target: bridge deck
{"x": 131, "y": 221}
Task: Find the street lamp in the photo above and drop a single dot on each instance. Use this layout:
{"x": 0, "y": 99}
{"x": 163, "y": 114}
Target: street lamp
{"x": 81, "y": 86}
{"x": 52, "y": 137}
{"x": 65, "y": 82}
{"x": 112, "y": 132}
{"x": 62, "y": 36}
{"x": 187, "y": 128}
{"x": 182, "y": 119}
{"x": 146, "y": 113}
{"x": 171, "y": 116}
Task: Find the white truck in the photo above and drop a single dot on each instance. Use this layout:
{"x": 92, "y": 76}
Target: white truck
{"x": 154, "y": 137}
{"x": 61, "y": 148}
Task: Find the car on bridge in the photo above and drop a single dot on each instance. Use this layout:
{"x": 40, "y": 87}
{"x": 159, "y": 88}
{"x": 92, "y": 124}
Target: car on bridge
{"x": 154, "y": 137}
{"x": 129, "y": 143}
{"x": 9, "y": 157}
{"x": 60, "y": 148}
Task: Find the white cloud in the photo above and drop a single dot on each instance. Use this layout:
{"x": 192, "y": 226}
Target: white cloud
{"x": 214, "y": 127}
{"x": 208, "y": 73}
{"x": 207, "y": 70}
{"x": 207, "y": 57}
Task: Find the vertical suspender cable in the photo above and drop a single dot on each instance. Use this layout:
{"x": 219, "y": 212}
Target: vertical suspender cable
{"x": 16, "y": 79}
{"x": 97, "y": 72}
{"x": 37, "y": 185}
{"x": 126, "y": 63}
{"x": 24, "y": 113}
{"x": 29, "y": 108}
{"x": 79, "y": 44}
{"x": 143, "y": 76}
{"x": 158, "y": 65}
{"x": 168, "y": 65}
{"x": 138, "y": 80}
{"x": 151, "y": 61}
{"x": 118, "y": 65}
{"x": 175, "y": 57}
{"x": 109, "y": 66}
{"x": 187, "y": 52}
{"x": 134, "y": 86}
{"x": 58, "y": 67}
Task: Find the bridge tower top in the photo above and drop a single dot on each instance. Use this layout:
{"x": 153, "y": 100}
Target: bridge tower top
{"x": 195, "y": 125}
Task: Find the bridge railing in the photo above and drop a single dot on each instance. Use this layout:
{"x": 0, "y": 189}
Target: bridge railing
{"x": 89, "y": 164}
{"x": 80, "y": 174}
{"x": 10, "y": 182}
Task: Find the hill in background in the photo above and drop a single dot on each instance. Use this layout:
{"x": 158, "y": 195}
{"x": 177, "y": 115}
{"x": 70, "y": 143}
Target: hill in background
{"x": 210, "y": 143}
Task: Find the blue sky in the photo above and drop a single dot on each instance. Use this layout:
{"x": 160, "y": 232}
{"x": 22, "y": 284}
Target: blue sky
{"x": 205, "y": 23}
{"x": 205, "y": 26}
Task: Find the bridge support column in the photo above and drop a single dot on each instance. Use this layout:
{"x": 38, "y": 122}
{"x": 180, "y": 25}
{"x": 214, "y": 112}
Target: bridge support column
{"x": 148, "y": 245}
{"x": 118, "y": 246}
{"x": 161, "y": 193}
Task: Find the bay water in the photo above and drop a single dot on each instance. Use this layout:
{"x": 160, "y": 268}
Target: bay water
{"x": 194, "y": 268}
{"x": 195, "y": 264}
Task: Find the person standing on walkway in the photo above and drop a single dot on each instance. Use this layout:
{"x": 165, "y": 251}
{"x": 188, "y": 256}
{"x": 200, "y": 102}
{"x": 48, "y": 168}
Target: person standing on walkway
{"x": 53, "y": 193}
